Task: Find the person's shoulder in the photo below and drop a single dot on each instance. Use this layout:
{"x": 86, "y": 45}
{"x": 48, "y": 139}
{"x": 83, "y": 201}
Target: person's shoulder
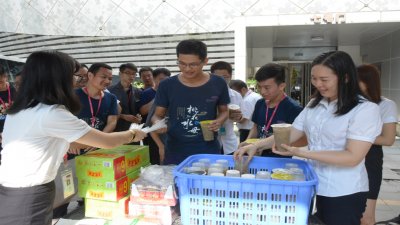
{"x": 112, "y": 87}
{"x": 79, "y": 91}
{"x": 289, "y": 102}
{"x": 217, "y": 78}
{"x": 136, "y": 89}
{"x": 385, "y": 102}
{"x": 169, "y": 80}
{"x": 109, "y": 95}
{"x": 260, "y": 101}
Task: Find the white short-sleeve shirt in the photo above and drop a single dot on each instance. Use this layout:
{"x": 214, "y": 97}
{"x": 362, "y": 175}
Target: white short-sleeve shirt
{"x": 249, "y": 101}
{"x": 388, "y": 110}
{"x": 34, "y": 143}
{"x": 326, "y": 131}
{"x": 229, "y": 141}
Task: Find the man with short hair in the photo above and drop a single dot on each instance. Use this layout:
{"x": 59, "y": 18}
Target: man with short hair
{"x": 191, "y": 97}
{"x": 250, "y": 99}
{"x": 7, "y": 94}
{"x": 17, "y": 80}
{"x": 83, "y": 77}
{"x": 146, "y": 75}
{"x": 227, "y": 136}
{"x": 156, "y": 146}
{"x": 274, "y": 108}
{"x": 99, "y": 108}
{"x": 129, "y": 97}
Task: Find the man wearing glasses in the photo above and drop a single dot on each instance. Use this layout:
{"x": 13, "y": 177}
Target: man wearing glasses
{"x": 129, "y": 97}
{"x": 191, "y": 97}
{"x": 81, "y": 77}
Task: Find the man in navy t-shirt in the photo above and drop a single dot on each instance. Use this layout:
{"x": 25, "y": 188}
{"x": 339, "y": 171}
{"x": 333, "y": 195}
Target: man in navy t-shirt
{"x": 281, "y": 108}
{"x": 103, "y": 117}
{"x": 191, "y": 97}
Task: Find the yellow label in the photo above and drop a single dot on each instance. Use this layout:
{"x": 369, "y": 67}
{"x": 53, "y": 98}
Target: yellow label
{"x": 132, "y": 163}
{"x": 94, "y": 174}
{"x": 96, "y": 194}
{"x": 104, "y": 214}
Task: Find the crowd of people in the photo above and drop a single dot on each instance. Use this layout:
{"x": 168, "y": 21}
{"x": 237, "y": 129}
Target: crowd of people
{"x": 57, "y": 106}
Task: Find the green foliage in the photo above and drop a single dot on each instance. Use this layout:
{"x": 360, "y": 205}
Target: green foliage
{"x": 138, "y": 84}
{"x": 252, "y": 82}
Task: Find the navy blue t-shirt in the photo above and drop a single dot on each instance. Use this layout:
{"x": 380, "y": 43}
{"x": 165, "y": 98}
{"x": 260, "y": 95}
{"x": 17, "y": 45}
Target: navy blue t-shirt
{"x": 287, "y": 112}
{"x": 187, "y": 107}
{"x": 108, "y": 107}
{"x": 147, "y": 96}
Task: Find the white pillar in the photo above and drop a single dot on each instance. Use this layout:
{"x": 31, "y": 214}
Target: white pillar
{"x": 240, "y": 48}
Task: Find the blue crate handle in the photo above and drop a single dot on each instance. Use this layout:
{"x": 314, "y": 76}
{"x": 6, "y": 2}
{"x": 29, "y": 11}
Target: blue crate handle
{"x": 174, "y": 189}
{"x": 314, "y": 201}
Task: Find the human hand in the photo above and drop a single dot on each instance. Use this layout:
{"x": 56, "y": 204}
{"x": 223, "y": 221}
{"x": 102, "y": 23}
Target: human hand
{"x": 214, "y": 126}
{"x": 161, "y": 151}
{"x": 249, "y": 149}
{"x": 1, "y": 137}
{"x": 74, "y": 151}
{"x": 139, "y": 135}
{"x": 237, "y": 116}
{"x": 244, "y": 143}
{"x": 90, "y": 149}
{"x": 129, "y": 118}
{"x": 160, "y": 131}
{"x": 291, "y": 151}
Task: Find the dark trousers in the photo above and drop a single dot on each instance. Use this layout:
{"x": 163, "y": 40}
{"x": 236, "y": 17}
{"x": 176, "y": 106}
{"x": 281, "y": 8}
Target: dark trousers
{"x": 153, "y": 150}
{"x": 243, "y": 134}
{"x": 343, "y": 210}
{"x": 28, "y": 205}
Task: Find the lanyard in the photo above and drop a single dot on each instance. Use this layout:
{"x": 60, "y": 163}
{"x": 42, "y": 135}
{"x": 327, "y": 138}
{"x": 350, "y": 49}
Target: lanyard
{"x": 250, "y": 92}
{"x": 129, "y": 97}
{"x": 91, "y": 107}
{"x": 9, "y": 98}
{"x": 273, "y": 114}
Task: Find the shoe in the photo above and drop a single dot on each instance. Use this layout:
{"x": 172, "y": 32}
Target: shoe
{"x": 393, "y": 221}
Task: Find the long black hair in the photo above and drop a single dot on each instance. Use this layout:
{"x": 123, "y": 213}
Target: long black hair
{"x": 47, "y": 78}
{"x": 349, "y": 91}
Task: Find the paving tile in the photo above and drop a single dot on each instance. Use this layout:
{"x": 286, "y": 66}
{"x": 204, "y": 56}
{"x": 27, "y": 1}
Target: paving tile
{"x": 382, "y": 215}
{"x": 389, "y": 188}
{"x": 383, "y": 207}
{"x": 389, "y": 196}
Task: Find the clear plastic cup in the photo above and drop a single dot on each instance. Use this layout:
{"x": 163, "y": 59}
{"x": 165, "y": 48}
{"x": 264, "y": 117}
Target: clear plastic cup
{"x": 281, "y": 176}
{"x": 199, "y": 164}
{"x": 217, "y": 165}
{"x": 214, "y": 170}
{"x": 242, "y": 165}
{"x": 196, "y": 170}
{"x": 289, "y": 166}
{"x": 263, "y": 175}
{"x": 299, "y": 177}
{"x": 233, "y": 173}
{"x": 233, "y": 109}
{"x": 296, "y": 170}
{"x": 218, "y": 174}
{"x": 281, "y": 135}
{"x": 224, "y": 163}
{"x": 280, "y": 170}
{"x": 206, "y": 162}
{"x": 207, "y": 134}
{"x": 249, "y": 176}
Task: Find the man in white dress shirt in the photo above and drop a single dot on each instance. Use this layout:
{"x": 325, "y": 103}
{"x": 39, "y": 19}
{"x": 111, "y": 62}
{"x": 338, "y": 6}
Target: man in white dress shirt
{"x": 226, "y": 135}
{"x": 250, "y": 99}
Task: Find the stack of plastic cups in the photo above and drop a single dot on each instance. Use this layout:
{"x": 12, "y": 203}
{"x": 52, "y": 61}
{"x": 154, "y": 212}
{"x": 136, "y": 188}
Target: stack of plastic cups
{"x": 215, "y": 170}
{"x": 225, "y": 165}
{"x": 263, "y": 175}
{"x": 298, "y": 174}
{"x": 196, "y": 170}
{"x": 217, "y": 174}
{"x": 232, "y": 173}
{"x": 248, "y": 176}
{"x": 289, "y": 166}
{"x": 199, "y": 164}
{"x": 206, "y": 162}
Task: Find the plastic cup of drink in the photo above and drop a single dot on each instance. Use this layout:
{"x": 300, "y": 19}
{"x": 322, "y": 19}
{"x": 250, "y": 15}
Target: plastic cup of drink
{"x": 263, "y": 175}
{"x": 281, "y": 135}
{"x": 207, "y": 134}
{"x": 296, "y": 170}
{"x": 225, "y": 165}
{"x": 206, "y": 162}
{"x": 299, "y": 177}
{"x": 217, "y": 165}
{"x": 289, "y": 166}
{"x": 199, "y": 164}
{"x": 278, "y": 170}
{"x": 233, "y": 173}
{"x": 249, "y": 176}
{"x": 214, "y": 170}
{"x": 196, "y": 170}
{"x": 242, "y": 165}
{"x": 218, "y": 174}
{"x": 233, "y": 109}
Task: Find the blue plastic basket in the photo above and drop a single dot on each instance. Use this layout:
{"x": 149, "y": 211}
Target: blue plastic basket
{"x": 211, "y": 200}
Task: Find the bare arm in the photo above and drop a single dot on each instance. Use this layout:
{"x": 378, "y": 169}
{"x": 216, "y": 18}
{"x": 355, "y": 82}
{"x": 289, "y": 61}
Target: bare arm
{"x": 302, "y": 142}
{"x": 111, "y": 123}
{"x": 144, "y": 110}
{"x": 387, "y": 136}
{"x": 119, "y": 111}
{"x": 160, "y": 144}
{"x": 159, "y": 114}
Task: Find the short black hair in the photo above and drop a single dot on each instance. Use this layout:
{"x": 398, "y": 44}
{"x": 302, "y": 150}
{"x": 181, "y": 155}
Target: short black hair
{"x": 271, "y": 70}
{"x": 47, "y": 79}
{"x": 143, "y": 69}
{"x": 95, "y": 67}
{"x": 2, "y": 71}
{"x": 131, "y": 66}
{"x": 221, "y": 65}
{"x": 159, "y": 71}
{"x": 192, "y": 47}
{"x": 349, "y": 91}
{"x": 84, "y": 66}
{"x": 18, "y": 74}
{"x": 237, "y": 84}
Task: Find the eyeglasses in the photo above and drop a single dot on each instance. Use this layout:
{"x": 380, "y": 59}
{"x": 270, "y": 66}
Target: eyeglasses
{"x": 192, "y": 66}
{"x": 78, "y": 78}
{"x": 130, "y": 74}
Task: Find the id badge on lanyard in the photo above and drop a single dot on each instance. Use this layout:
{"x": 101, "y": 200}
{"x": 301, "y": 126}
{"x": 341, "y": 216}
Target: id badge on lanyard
{"x": 222, "y": 131}
{"x": 67, "y": 178}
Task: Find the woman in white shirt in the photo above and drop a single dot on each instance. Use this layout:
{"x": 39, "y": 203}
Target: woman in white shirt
{"x": 39, "y": 129}
{"x": 341, "y": 126}
{"x": 370, "y": 84}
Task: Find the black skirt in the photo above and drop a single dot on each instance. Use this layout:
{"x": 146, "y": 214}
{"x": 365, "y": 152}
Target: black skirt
{"x": 374, "y": 166}
{"x": 28, "y": 205}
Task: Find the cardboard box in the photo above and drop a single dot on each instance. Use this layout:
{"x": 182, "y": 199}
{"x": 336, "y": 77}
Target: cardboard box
{"x": 155, "y": 214}
{"x": 103, "y": 190}
{"x": 101, "y": 166}
{"x": 135, "y": 156}
{"x": 143, "y": 197}
{"x": 105, "y": 209}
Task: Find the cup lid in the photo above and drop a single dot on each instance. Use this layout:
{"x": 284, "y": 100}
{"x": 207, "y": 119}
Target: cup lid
{"x": 217, "y": 174}
{"x": 233, "y": 172}
{"x": 281, "y": 125}
{"x": 248, "y": 176}
{"x": 233, "y": 106}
